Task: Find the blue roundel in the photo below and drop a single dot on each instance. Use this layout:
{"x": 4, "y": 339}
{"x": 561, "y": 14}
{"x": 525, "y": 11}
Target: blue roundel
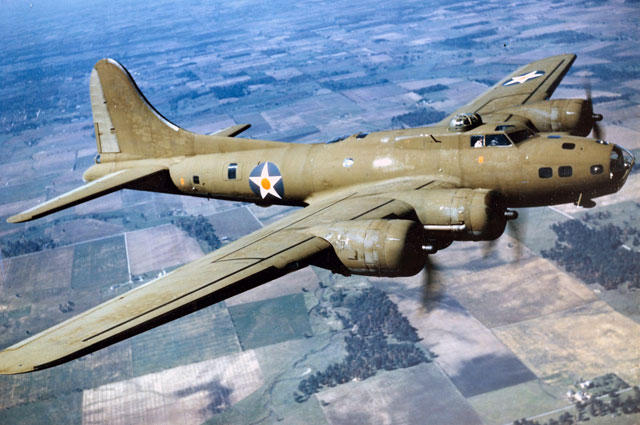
{"x": 265, "y": 180}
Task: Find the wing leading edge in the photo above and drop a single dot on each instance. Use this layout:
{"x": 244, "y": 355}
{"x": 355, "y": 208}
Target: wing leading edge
{"x": 264, "y": 255}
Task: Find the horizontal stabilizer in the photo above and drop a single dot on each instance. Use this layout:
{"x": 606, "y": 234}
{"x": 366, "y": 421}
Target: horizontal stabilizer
{"x": 232, "y": 131}
{"x": 99, "y": 187}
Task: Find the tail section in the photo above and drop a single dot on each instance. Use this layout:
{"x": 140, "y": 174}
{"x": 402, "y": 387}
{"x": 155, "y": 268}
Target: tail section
{"x": 125, "y": 123}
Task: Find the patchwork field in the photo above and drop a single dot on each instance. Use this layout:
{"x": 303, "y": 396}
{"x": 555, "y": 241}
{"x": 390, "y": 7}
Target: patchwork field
{"x": 205, "y": 334}
{"x": 502, "y": 406}
{"x": 52, "y": 273}
{"x": 421, "y": 394}
{"x": 588, "y": 341}
{"x": 187, "y": 395}
{"x": 99, "y": 263}
{"x": 270, "y": 321}
{"x": 171, "y": 247}
{"x": 234, "y": 223}
{"x": 508, "y": 294}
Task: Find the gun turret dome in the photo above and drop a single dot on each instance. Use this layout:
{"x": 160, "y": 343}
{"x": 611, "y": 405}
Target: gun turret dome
{"x": 464, "y": 121}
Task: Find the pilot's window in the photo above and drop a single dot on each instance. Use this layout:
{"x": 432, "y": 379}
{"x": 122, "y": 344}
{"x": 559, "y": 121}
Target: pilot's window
{"x": 504, "y": 127}
{"x": 477, "y": 141}
{"x": 97, "y": 159}
{"x": 196, "y": 180}
{"x": 232, "y": 171}
{"x": 597, "y": 169}
{"x": 545, "y": 172}
{"x": 520, "y": 135}
{"x": 565, "y": 171}
{"x": 568, "y": 146}
{"x": 496, "y": 140}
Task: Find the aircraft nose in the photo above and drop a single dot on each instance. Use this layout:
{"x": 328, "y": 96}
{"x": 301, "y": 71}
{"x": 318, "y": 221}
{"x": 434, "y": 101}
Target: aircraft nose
{"x": 622, "y": 162}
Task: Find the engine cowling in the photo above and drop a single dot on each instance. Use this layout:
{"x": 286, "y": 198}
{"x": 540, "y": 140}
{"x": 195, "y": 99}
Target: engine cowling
{"x": 458, "y": 214}
{"x": 373, "y": 247}
{"x": 574, "y": 116}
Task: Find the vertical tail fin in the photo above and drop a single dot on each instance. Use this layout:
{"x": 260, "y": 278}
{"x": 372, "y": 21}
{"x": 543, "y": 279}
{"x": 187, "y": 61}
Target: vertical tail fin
{"x": 125, "y": 123}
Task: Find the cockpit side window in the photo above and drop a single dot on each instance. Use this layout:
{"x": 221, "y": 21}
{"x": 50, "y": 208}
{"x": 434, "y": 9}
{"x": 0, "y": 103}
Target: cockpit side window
{"x": 496, "y": 140}
{"x": 520, "y": 135}
{"x": 477, "y": 141}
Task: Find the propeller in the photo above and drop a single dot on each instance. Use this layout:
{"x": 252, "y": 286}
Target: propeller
{"x": 516, "y": 230}
{"x": 598, "y": 133}
{"x": 432, "y": 286}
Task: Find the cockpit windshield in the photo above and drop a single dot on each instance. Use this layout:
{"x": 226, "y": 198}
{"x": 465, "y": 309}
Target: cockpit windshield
{"x": 496, "y": 140}
{"x": 520, "y": 135}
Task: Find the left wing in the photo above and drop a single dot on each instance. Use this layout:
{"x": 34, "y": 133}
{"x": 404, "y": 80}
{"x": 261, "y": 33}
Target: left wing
{"x": 100, "y": 187}
{"x": 533, "y": 82}
{"x": 264, "y": 255}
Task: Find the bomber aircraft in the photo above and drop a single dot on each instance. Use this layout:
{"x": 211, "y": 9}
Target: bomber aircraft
{"x": 374, "y": 204}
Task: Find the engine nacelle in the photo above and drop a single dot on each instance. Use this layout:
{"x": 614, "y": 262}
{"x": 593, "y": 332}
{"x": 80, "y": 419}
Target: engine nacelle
{"x": 373, "y": 247}
{"x": 458, "y": 214}
{"x": 574, "y": 116}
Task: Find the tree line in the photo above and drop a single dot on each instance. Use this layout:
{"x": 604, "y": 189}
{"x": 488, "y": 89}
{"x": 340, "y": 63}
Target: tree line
{"x": 595, "y": 255}
{"x": 372, "y": 320}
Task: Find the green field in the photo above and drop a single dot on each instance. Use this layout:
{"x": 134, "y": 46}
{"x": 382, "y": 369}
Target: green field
{"x": 505, "y": 405}
{"x": 99, "y": 263}
{"x": 32, "y": 189}
{"x": 202, "y": 335}
{"x": 270, "y": 321}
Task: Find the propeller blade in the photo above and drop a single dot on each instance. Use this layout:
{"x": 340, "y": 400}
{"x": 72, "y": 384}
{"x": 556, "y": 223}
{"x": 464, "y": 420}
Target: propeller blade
{"x": 516, "y": 232}
{"x": 432, "y": 286}
{"x": 596, "y": 129}
{"x": 598, "y": 133}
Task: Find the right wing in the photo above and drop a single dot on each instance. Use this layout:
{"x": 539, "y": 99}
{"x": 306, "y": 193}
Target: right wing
{"x": 264, "y": 255}
{"x": 530, "y": 83}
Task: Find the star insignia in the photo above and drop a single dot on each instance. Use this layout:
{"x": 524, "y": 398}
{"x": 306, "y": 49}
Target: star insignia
{"x": 521, "y": 79}
{"x": 265, "y": 179}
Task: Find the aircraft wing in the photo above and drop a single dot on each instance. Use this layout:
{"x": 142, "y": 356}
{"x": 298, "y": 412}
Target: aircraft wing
{"x": 266, "y": 254}
{"x": 533, "y": 82}
{"x": 99, "y": 187}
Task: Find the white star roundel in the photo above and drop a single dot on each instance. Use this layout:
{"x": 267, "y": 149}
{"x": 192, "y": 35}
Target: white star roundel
{"x": 265, "y": 179}
{"x": 521, "y": 79}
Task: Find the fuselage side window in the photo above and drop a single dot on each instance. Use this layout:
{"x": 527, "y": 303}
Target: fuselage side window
{"x": 545, "y": 172}
{"x": 477, "y": 141}
{"x": 565, "y": 171}
{"x": 232, "y": 171}
{"x": 496, "y": 140}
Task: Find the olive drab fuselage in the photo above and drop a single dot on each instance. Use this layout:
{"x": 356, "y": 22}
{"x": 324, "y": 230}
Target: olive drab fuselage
{"x": 308, "y": 170}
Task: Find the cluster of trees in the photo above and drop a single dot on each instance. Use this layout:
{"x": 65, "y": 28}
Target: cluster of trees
{"x": 24, "y": 246}
{"x": 468, "y": 41}
{"x": 616, "y": 405}
{"x": 199, "y": 228}
{"x": 372, "y": 318}
{"x": 595, "y": 255}
{"x": 431, "y": 89}
{"x": 353, "y": 83}
{"x": 421, "y": 116}
{"x": 565, "y": 36}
